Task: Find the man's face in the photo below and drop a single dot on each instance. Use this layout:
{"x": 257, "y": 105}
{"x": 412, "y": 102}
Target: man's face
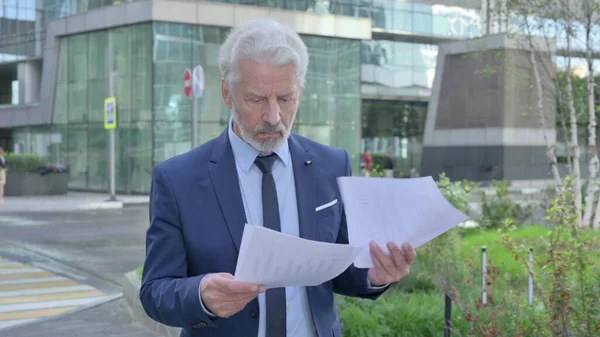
{"x": 264, "y": 103}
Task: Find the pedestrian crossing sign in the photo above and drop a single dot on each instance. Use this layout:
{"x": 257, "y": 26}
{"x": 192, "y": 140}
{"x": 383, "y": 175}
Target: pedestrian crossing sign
{"x": 110, "y": 113}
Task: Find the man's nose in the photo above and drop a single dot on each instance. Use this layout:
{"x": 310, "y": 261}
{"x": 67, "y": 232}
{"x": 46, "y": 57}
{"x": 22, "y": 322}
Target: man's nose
{"x": 273, "y": 113}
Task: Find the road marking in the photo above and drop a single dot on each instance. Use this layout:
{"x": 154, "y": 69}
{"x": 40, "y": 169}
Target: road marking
{"x": 49, "y": 297}
{"x": 34, "y": 280}
{"x": 42, "y": 291}
{"x": 28, "y": 294}
{"x": 11, "y": 265}
{"x": 23, "y": 270}
{"x": 42, "y": 313}
{"x": 36, "y": 285}
{"x": 24, "y": 275}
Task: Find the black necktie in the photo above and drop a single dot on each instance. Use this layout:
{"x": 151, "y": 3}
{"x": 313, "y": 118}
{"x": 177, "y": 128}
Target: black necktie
{"x": 275, "y": 298}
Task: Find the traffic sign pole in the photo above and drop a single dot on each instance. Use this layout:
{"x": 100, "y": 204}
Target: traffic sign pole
{"x": 111, "y": 140}
{"x": 111, "y": 131}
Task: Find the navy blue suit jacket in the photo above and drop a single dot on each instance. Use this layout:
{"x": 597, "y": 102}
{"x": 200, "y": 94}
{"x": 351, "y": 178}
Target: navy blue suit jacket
{"x": 196, "y": 222}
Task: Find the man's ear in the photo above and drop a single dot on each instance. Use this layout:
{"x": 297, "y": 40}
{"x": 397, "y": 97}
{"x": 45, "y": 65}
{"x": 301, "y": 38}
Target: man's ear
{"x": 226, "y": 94}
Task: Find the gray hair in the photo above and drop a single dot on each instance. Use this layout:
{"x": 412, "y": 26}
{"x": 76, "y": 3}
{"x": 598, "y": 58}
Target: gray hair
{"x": 262, "y": 41}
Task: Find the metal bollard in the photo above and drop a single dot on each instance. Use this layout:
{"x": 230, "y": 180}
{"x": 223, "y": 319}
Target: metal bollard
{"x": 447, "y": 316}
{"x": 531, "y": 276}
{"x": 484, "y": 275}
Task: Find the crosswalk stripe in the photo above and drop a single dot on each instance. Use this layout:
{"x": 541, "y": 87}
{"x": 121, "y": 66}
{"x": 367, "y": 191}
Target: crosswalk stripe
{"x": 13, "y": 267}
{"x": 49, "y": 297}
{"x": 42, "y": 291}
{"x": 20, "y": 271}
{"x": 29, "y": 293}
{"x": 32, "y": 285}
{"x": 46, "y": 304}
{"x": 34, "y": 280}
{"x": 41, "y": 313}
{"x": 9, "y": 265}
{"x": 25, "y": 275}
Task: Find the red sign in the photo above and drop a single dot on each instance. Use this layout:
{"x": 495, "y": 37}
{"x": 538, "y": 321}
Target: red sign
{"x": 187, "y": 83}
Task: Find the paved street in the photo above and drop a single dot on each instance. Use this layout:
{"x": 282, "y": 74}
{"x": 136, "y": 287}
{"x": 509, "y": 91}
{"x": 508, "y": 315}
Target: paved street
{"x": 61, "y": 264}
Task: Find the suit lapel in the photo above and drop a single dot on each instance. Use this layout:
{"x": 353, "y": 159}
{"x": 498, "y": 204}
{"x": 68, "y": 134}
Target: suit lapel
{"x": 224, "y": 177}
{"x": 306, "y": 188}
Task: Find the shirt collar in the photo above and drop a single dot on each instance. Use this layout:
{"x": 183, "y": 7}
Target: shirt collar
{"x": 245, "y": 154}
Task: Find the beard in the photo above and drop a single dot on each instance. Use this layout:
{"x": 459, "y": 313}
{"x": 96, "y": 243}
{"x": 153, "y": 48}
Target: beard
{"x": 267, "y": 145}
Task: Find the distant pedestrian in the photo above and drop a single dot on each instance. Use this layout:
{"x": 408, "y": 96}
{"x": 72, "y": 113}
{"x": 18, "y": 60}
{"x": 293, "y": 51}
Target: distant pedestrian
{"x": 2, "y": 175}
{"x": 388, "y": 165}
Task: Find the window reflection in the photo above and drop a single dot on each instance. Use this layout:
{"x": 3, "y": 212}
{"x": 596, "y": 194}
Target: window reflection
{"x": 394, "y": 128}
{"x": 384, "y": 61}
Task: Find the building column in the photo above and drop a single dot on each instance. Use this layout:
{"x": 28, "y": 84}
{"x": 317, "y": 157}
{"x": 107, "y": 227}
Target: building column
{"x": 29, "y": 75}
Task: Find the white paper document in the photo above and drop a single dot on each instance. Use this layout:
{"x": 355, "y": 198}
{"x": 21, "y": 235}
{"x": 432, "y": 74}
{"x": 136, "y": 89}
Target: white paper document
{"x": 398, "y": 210}
{"x": 279, "y": 260}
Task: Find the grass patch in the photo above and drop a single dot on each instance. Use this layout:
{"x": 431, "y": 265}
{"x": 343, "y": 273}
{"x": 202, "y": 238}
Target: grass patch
{"x": 514, "y": 272}
{"x": 138, "y": 272}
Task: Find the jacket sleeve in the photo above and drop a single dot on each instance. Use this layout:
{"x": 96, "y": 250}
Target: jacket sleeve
{"x": 353, "y": 281}
{"x": 168, "y": 294}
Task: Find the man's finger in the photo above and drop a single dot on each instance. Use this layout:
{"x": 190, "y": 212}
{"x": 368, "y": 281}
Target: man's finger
{"x": 238, "y": 287}
{"x": 385, "y": 263}
{"x": 397, "y": 256}
{"x": 409, "y": 253}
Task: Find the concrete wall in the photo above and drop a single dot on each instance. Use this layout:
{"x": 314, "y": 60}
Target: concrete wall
{"x": 483, "y": 121}
{"x": 22, "y": 184}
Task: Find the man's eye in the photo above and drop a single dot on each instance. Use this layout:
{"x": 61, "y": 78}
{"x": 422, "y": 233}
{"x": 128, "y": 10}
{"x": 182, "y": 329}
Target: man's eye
{"x": 256, "y": 100}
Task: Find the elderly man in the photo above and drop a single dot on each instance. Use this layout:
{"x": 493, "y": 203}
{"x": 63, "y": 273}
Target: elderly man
{"x": 255, "y": 172}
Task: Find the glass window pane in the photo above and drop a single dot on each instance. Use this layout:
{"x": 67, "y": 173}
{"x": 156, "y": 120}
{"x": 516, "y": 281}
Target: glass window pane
{"x": 141, "y": 80}
{"x": 98, "y": 154}
{"x": 77, "y": 78}
{"x": 76, "y": 156}
{"x": 171, "y": 139}
{"x": 62, "y": 86}
{"x": 98, "y": 74}
{"x": 119, "y": 38}
{"x": 139, "y": 153}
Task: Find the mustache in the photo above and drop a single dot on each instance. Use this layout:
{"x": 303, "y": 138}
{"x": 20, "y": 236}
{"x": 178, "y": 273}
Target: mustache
{"x": 266, "y": 127}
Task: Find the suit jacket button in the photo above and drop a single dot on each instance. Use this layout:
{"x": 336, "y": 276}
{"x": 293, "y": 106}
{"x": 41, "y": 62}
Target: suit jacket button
{"x": 253, "y": 313}
{"x": 199, "y": 325}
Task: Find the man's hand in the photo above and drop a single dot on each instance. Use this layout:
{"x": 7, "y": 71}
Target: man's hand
{"x": 224, "y": 296}
{"x": 390, "y": 269}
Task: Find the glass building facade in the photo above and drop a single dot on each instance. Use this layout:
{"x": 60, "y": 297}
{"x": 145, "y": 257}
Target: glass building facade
{"x": 154, "y": 116}
{"x": 21, "y": 34}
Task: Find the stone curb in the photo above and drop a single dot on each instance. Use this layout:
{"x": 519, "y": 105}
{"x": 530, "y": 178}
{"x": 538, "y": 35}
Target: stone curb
{"x": 131, "y": 291}
{"x": 100, "y": 205}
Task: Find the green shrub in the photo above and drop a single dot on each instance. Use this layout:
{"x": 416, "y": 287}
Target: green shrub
{"x": 23, "y": 163}
{"x": 566, "y": 284}
{"x": 497, "y": 208}
{"x": 395, "y": 314}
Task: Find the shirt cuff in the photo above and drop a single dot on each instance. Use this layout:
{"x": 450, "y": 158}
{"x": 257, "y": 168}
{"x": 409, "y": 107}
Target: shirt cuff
{"x": 206, "y": 311}
{"x": 370, "y": 286}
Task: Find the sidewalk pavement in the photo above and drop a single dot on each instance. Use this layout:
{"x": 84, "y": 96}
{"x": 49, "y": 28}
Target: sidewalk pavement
{"x": 73, "y": 201}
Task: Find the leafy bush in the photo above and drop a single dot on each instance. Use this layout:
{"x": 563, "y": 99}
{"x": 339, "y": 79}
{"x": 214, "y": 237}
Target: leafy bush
{"x": 495, "y": 209}
{"x": 566, "y": 286}
{"x": 23, "y": 163}
{"x": 395, "y": 314}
